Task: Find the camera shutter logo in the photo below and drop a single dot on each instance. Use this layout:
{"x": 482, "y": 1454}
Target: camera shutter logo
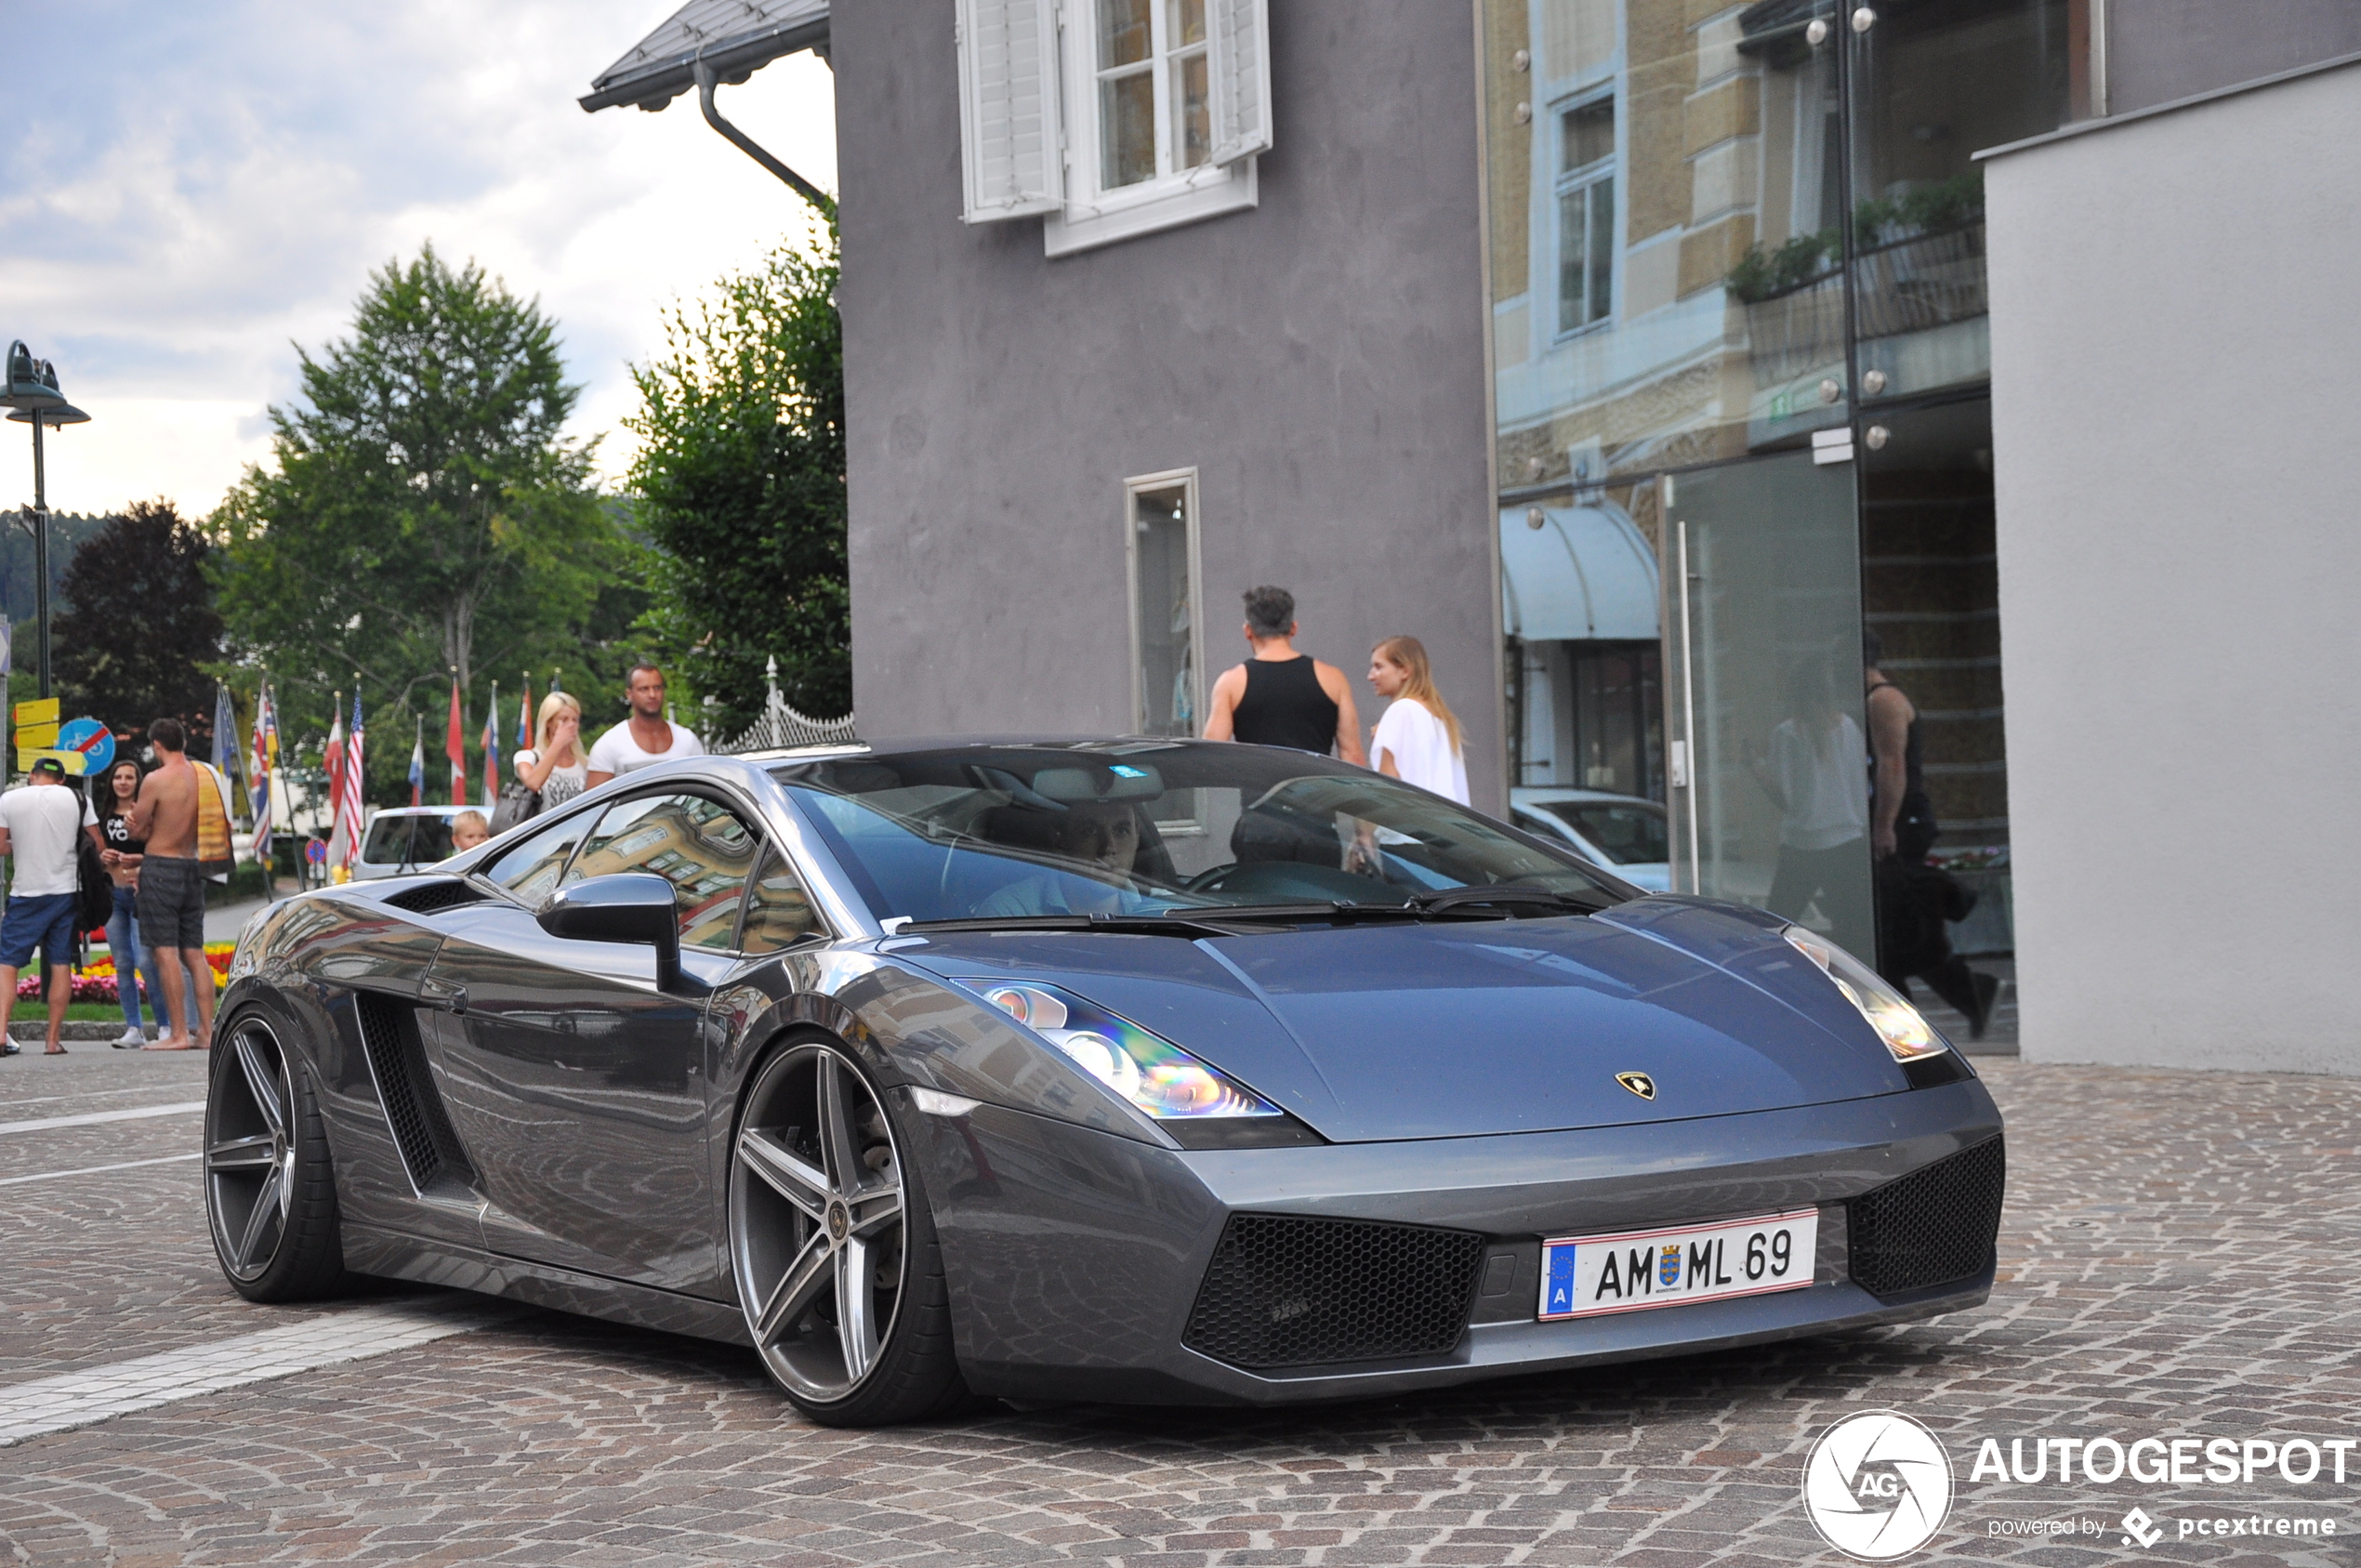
{"x": 1878, "y": 1485}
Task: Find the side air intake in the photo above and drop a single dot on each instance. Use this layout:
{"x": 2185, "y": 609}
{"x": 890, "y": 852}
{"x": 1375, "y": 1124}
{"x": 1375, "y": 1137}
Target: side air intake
{"x": 1932, "y": 1227}
{"x": 428, "y": 897}
{"x": 422, "y": 1130}
{"x": 1289, "y": 1291}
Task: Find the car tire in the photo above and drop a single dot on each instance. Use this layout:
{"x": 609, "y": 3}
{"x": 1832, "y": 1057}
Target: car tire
{"x": 832, "y": 1245}
{"x": 269, "y": 1181}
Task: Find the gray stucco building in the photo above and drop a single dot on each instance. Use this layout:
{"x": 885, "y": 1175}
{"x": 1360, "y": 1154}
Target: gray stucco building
{"x": 1307, "y": 373}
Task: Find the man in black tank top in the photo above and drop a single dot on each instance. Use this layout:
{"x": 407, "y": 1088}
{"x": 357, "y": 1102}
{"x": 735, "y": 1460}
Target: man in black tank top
{"x": 1281, "y": 697}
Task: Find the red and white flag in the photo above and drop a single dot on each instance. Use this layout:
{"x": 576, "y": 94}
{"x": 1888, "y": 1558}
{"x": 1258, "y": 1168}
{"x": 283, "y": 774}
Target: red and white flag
{"x": 455, "y": 746}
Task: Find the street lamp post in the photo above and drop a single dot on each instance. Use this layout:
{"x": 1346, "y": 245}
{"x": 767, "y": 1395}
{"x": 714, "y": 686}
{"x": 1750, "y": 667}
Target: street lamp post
{"x": 32, "y": 397}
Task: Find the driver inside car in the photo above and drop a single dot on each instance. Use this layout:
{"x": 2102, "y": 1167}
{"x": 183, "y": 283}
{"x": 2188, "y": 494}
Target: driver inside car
{"x": 1098, "y": 844}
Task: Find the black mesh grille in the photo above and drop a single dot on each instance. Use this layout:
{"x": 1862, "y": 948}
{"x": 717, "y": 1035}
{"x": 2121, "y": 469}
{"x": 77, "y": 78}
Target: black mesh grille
{"x": 1283, "y": 1291}
{"x": 421, "y": 1127}
{"x": 1935, "y": 1225}
{"x": 428, "y": 897}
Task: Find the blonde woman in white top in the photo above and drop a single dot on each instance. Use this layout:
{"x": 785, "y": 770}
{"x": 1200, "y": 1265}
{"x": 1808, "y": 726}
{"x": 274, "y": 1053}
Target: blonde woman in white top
{"x": 557, "y": 766}
{"x": 1417, "y": 741}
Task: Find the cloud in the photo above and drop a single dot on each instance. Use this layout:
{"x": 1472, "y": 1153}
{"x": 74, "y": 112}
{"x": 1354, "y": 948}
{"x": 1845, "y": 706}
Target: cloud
{"x": 200, "y": 187}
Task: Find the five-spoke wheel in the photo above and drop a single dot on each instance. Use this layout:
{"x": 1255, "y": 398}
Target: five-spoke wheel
{"x": 832, "y": 1245}
{"x": 269, "y": 1197}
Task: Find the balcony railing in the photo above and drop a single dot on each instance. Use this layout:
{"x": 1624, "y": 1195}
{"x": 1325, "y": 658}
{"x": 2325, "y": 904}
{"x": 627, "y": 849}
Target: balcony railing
{"x": 1909, "y": 285}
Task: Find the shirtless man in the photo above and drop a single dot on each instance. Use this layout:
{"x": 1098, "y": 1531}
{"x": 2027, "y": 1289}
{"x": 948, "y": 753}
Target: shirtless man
{"x": 1281, "y": 697}
{"x": 172, "y": 888}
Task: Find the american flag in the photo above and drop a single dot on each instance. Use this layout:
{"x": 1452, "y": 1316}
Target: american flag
{"x": 350, "y": 816}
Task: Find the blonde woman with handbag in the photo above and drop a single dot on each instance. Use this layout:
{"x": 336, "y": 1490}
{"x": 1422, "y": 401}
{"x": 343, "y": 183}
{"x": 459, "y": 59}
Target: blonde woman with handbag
{"x": 553, "y": 771}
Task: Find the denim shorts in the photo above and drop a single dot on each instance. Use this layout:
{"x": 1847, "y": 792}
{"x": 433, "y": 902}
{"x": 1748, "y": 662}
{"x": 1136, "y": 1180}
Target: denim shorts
{"x": 44, "y": 922}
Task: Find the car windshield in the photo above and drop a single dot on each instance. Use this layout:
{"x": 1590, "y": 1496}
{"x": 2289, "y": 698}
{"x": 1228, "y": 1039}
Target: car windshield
{"x": 1145, "y": 827}
{"x": 412, "y": 840}
{"x": 1627, "y": 834}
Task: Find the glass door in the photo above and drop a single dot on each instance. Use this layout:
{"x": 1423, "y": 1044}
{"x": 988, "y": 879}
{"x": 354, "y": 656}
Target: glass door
{"x": 1767, "y": 758}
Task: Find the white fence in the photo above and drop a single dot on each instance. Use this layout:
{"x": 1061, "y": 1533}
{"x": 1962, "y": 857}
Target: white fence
{"x": 781, "y": 726}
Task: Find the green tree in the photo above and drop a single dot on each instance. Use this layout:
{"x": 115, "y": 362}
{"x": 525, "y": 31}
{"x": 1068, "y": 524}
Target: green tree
{"x": 142, "y": 629}
{"x": 423, "y": 512}
{"x": 741, "y": 489}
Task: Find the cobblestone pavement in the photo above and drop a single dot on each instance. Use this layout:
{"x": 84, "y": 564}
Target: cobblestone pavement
{"x": 2181, "y": 1256}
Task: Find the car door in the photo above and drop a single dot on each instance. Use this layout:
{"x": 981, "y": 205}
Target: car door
{"x": 579, "y": 1082}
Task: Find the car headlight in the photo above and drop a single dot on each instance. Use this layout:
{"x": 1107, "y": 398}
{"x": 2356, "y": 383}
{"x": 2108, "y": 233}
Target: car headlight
{"x": 1905, "y": 1034}
{"x": 1150, "y": 1072}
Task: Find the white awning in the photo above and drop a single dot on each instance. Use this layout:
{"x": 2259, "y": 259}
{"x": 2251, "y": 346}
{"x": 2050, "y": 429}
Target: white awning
{"x": 1587, "y": 573}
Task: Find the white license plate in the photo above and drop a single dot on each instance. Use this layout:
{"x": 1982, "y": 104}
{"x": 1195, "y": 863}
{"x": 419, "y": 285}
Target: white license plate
{"x": 1631, "y": 1270}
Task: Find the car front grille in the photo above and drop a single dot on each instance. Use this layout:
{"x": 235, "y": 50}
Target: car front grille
{"x": 1288, "y": 1291}
{"x": 1932, "y": 1227}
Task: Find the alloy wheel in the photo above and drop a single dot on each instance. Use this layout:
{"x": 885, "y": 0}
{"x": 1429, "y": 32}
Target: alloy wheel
{"x": 250, "y": 1151}
{"x": 817, "y": 1222}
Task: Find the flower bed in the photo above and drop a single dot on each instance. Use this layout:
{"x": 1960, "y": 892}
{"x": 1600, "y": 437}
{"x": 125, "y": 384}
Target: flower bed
{"x": 96, "y": 981}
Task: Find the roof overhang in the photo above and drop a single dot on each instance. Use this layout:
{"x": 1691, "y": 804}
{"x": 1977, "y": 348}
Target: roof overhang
{"x": 736, "y": 38}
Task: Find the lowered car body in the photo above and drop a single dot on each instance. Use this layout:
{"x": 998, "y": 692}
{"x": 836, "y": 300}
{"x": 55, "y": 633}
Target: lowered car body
{"x": 1112, "y": 1070}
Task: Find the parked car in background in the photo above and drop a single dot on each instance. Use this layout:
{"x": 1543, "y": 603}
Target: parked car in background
{"x": 1624, "y": 832}
{"x": 407, "y": 838}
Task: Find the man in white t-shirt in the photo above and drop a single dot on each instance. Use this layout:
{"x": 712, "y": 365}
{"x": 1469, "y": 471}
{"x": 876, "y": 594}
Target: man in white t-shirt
{"x": 645, "y": 738}
{"x": 38, "y": 826}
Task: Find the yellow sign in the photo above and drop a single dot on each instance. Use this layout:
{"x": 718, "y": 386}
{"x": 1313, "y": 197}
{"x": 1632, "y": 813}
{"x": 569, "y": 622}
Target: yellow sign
{"x": 42, "y": 710}
{"x": 72, "y": 761}
{"x": 36, "y": 737}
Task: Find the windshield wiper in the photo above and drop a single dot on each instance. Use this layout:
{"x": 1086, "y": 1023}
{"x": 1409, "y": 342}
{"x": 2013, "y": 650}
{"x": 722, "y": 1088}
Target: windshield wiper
{"x": 1347, "y": 911}
{"x": 1120, "y": 924}
{"x": 1507, "y": 896}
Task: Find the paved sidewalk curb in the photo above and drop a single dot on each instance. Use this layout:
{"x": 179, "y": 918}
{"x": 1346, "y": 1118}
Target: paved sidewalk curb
{"x": 36, "y": 1028}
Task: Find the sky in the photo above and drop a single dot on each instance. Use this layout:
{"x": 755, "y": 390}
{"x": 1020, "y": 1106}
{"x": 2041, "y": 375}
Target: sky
{"x": 190, "y": 189}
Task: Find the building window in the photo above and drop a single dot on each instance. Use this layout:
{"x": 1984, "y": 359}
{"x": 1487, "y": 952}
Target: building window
{"x": 1586, "y": 214}
{"x": 1112, "y": 118}
{"x": 1152, "y": 53}
{"x": 1160, "y": 525}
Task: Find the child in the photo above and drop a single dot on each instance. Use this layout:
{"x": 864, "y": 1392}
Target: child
{"x": 467, "y": 830}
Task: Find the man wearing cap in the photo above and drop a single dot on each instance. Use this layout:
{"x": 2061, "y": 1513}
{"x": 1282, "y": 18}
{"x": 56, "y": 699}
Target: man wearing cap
{"x": 37, "y": 824}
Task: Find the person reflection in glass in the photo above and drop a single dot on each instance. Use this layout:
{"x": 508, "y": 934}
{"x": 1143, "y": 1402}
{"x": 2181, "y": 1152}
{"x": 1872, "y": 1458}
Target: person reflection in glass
{"x": 1098, "y": 844}
{"x": 1915, "y": 899}
{"x": 1813, "y": 770}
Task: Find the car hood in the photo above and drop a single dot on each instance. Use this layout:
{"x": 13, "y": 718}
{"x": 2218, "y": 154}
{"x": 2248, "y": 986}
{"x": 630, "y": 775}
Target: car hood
{"x": 1465, "y": 1029}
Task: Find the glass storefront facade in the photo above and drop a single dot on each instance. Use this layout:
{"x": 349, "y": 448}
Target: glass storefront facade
{"x": 1742, "y": 391}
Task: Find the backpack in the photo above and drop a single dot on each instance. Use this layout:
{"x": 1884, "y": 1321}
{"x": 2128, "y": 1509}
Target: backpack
{"x": 93, "y": 903}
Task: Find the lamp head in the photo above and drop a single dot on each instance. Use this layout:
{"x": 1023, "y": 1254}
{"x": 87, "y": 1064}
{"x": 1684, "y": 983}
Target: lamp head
{"x": 31, "y": 383}
{"x": 59, "y": 413}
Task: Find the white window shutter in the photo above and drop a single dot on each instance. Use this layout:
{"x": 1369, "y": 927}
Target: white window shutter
{"x": 1241, "y": 49}
{"x": 1009, "y": 107}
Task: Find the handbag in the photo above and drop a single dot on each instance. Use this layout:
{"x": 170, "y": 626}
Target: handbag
{"x": 518, "y": 804}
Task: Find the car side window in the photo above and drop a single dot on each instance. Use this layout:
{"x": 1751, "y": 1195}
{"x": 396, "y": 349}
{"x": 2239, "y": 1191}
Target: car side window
{"x": 531, "y": 870}
{"x": 700, "y": 846}
{"x": 779, "y": 912}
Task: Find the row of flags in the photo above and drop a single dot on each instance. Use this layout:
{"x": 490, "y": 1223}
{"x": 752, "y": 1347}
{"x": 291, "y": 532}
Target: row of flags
{"x": 346, "y": 762}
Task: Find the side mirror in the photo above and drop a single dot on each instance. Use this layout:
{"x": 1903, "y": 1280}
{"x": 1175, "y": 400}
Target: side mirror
{"x": 630, "y": 906}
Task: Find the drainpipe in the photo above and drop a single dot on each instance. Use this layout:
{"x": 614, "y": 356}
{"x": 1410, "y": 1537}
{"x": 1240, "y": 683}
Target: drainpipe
{"x": 751, "y": 148}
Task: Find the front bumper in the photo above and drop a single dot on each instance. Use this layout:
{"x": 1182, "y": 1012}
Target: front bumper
{"x": 1074, "y": 1256}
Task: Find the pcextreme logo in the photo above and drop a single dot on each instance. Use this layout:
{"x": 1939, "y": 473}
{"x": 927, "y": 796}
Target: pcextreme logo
{"x": 1878, "y": 1485}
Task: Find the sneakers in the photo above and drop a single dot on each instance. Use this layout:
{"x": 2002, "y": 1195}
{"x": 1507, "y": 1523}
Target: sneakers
{"x": 131, "y": 1041}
